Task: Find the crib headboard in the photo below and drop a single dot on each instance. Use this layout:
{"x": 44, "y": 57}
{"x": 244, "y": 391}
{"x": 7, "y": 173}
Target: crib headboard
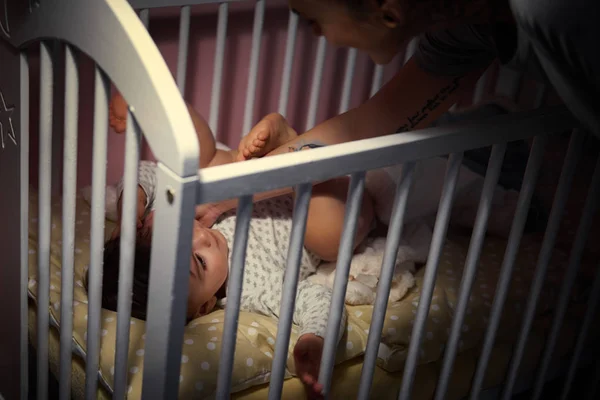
{"x": 111, "y": 34}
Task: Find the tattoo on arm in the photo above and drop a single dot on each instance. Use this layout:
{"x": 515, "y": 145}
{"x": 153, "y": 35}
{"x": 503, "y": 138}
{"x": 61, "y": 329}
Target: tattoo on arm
{"x": 305, "y": 146}
{"x": 430, "y": 105}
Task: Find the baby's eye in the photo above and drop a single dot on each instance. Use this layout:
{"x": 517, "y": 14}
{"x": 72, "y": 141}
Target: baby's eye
{"x": 200, "y": 261}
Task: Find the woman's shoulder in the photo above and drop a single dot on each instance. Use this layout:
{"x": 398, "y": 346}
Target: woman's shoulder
{"x": 457, "y": 50}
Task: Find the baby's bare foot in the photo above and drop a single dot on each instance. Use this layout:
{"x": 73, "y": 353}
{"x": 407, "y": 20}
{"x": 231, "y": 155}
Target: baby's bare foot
{"x": 118, "y": 113}
{"x": 271, "y": 132}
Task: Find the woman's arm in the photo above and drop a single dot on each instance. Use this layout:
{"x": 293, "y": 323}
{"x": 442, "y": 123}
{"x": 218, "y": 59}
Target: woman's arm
{"x": 412, "y": 100}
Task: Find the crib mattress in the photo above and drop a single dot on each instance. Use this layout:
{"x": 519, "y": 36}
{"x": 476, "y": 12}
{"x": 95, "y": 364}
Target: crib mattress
{"x": 256, "y": 333}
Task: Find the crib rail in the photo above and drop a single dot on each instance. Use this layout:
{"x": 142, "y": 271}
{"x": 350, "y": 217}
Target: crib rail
{"x": 116, "y": 18}
{"x": 229, "y": 181}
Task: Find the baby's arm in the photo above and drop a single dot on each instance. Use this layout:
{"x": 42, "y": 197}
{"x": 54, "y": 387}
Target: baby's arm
{"x": 145, "y": 194}
{"x": 312, "y": 310}
{"x": 311, "y": 313}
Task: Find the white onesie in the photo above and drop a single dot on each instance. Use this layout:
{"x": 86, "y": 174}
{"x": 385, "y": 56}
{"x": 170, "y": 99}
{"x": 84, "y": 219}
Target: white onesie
{"x": 266, "y": 255}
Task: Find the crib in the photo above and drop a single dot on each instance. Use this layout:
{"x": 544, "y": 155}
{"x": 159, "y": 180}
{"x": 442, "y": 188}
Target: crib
{"x": 454, "y": 336}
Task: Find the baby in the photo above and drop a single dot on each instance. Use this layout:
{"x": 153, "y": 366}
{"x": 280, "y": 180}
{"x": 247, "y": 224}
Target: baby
{"x": 266, "y": 255}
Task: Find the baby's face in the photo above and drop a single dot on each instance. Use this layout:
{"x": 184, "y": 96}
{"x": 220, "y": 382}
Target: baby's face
{"x": 208, "y": 268}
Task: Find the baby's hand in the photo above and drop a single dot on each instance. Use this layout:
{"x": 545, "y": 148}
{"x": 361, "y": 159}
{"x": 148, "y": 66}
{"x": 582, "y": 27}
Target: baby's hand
{"x": 271, "y": 132}
{"x": 307, "y": 358}
{"x": 117, "y": 114}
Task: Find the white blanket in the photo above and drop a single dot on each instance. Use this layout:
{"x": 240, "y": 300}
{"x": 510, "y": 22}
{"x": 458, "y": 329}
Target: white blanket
{"x": 365, "y": 267}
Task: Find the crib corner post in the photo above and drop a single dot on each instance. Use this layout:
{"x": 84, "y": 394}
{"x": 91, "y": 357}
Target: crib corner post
{"x": 14, "y": 147}
{"x": 169, "y": 278}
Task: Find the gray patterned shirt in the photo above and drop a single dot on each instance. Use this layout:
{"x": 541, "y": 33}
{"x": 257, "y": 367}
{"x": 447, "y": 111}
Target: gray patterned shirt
{"x": 266, "y": 255}
{"x": 461, "y": 49}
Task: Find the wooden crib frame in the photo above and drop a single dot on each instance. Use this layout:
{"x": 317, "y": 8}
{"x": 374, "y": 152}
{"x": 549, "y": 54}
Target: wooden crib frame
{"x": 112, "y": 34}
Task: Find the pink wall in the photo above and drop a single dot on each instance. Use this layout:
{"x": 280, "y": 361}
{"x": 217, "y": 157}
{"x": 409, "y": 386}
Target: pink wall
{"x": 164, "y": 28}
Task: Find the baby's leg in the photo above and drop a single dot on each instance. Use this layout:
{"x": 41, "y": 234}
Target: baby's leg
{"x": 325, "y": 220}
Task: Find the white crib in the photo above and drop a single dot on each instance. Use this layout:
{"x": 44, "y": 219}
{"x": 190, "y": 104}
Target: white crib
{"x": 112, "y": 35}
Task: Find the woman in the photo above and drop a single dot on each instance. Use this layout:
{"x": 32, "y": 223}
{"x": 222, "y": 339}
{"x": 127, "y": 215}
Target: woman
{"x": 551, "y": 40}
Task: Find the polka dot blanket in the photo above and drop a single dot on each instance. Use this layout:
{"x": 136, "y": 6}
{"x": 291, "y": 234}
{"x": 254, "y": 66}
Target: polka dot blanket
{"x": 256, "y": 333}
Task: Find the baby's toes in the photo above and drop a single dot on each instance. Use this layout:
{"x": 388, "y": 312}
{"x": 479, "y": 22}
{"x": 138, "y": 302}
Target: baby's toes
{"x": 253, "y": 149}
{"x": 265, "y": 134}
{"x": 259, "y": 143}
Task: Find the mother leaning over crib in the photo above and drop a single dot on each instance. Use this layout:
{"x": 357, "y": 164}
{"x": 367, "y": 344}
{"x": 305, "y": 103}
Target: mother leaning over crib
{"x": 552, "y": 40}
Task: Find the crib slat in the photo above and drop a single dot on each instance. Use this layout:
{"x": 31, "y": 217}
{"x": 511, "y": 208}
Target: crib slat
{"x": 377, "y": 80}
{"x": 68, "y": 234}
{"x": 348, "y": 77}
{"x": 288, "y": 61}
{"x": 585, "y": 223}
{"x": 24, "y": 209}
{"x": 554, "y": 221}
{"x": 127, "y": 254}
{"x": 101, "y": 98}
{"x": 145, "y": 17}
{"x": 433, "y": 259}
{"x": 234, "y": 295}
{"x": 353, "y": 206}
{"x": 316, "y": 84}
{"x": 471, "y": 264}
{"x": 590, "y": 313}
{"x": 58, "y": 106}
{"x": 531, "y": 173}
{"x": 215, "y": 99}
{"x": 182, "y": 55}
{"x": 387, "y": 271}
{"x": 44, "y": 217}
{"x": 259, "y": 16}
{"x": 288, "y": 293}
